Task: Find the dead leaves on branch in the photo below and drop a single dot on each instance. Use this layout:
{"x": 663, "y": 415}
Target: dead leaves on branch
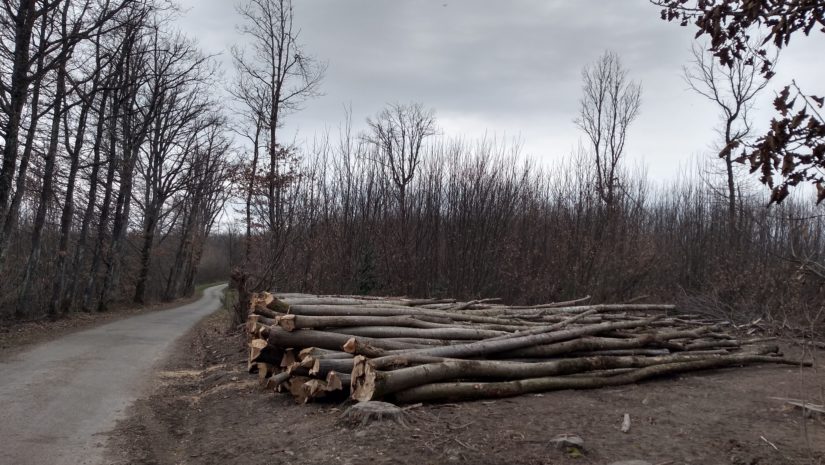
{"x": 792, "y": 152}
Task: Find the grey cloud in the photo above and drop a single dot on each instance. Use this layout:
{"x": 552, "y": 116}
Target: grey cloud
{"x": 509, "y": 66}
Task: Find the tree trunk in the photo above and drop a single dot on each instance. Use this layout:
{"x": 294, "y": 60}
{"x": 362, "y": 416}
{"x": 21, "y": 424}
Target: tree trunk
{"x": 326, "y": 340}
{"x": 372, "y": 384}
{"x": 469, "y": 391}
{"x": 486, "y": 347}
{"x": 80, "y": 250}
{"x": 12, "y": 218}
{"x": 56, "y": 304}
{"x": 103, "y": 222}
{"x": 45, "y": 194}
{"x": 24, "y": 20}
{"x": 146, "y": 253}
{"x": 119, "y": 229}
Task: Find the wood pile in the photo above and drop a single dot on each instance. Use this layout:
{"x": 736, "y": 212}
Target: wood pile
{"x": 409, "y": 351}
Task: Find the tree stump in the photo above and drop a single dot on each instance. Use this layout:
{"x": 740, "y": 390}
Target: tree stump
{"x": 364, "y": 413}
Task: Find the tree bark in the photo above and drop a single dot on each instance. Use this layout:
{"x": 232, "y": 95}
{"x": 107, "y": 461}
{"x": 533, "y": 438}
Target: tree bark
{"x": 46, "y": 190}
{"x": 24, "y": 20}
{"x": 484, "y": 347}
{"x": 373, "y": 384}
{"x": 469, "y": 391}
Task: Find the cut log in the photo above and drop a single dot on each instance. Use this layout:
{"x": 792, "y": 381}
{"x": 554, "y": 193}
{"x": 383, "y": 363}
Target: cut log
{"x": 584, "y": 344}
{"x": 488, "y": 347}
{"x": 468, "y": 390}
{"x": 424, "y": 333}
{"x": 332, "y": 310}
{"x": 261, "y": 352}
{"x": 304, "y": 338}
{"x": 317, "y": 352}
{"x": 292, "y": 322}
{"x": 370, "y": 384}
{"x": 275, "y": 381}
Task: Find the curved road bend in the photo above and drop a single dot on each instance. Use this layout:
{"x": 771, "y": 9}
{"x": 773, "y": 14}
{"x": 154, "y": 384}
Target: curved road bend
{"x": 58, "y": 397}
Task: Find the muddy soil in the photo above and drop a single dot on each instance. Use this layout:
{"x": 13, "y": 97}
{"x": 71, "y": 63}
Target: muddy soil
{"x": 205, "y": 409}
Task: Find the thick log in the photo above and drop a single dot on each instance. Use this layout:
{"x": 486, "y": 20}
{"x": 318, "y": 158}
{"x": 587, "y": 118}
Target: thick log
{"x": 371, "y": 384}
{"x": 469, "y": 390}
{"x": 261, "y": 352}
{"x": 322, "y": 366}
{"x": 316, "y": 352}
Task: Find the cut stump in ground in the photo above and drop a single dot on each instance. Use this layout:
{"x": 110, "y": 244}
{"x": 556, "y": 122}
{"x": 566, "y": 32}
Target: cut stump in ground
{"x": 365, "y": 413}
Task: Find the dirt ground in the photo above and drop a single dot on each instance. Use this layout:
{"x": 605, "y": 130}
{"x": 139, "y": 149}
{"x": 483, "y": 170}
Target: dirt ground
{"x": 205, "y": 409}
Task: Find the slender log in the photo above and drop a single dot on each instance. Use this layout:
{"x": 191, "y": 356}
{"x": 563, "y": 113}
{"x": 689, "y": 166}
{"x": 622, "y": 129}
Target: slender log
{"x": 428, "y": 342}
{"x": 625, "y": 352}
{"x": 698, "y": 345}
{"x": 330, "y": 310}
{"x": 584, "y": 344}
{"x": 425, "y": 333}
{"x": 568, "y": 303}
{"x": 469, "y": 390}
{"x": 490, "y": 347}
{"x": 303, "y": 338}
{"x": 467, "y": 305}
{"x": 276, "y": 380}
{"x": 292, "y": 322}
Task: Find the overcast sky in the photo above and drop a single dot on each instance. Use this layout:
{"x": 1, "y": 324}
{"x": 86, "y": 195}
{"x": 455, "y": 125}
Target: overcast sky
{"x": 506, "y": 68}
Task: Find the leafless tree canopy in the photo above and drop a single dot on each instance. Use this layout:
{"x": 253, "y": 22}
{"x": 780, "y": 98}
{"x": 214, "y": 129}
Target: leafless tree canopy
{"x": 397, "y": 135}
{"x": 609, "y": 104}
{"x": 114, "y": 166}
{"x": 732, "y": 89}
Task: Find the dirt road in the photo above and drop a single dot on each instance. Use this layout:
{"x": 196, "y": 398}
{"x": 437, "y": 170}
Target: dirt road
{"x": 57, "y": 399}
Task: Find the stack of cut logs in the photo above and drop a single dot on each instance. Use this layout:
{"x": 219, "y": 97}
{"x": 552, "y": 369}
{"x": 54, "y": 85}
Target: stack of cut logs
{"x": 411, "y": 351}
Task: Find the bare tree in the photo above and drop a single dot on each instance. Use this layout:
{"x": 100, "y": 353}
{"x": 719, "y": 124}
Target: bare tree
{"x": 83, "y": 19}
{"x": 201, "y": 202}
{"x": 733, "y": 90}
{"x": 609, "y": 105}
{"x": 180, "y": 75}
{"x": 275, "y": 62}
{"x": 793, "y": 149}
{"x": 397, "y": 136}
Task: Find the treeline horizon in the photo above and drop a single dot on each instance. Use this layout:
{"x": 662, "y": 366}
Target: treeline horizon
{"x": 119, "y": 161}
{"x": 479, "y": 220}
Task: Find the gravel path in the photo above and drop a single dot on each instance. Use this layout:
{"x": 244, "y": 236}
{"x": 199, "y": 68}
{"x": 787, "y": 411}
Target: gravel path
{"x": 58, "y": 398}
